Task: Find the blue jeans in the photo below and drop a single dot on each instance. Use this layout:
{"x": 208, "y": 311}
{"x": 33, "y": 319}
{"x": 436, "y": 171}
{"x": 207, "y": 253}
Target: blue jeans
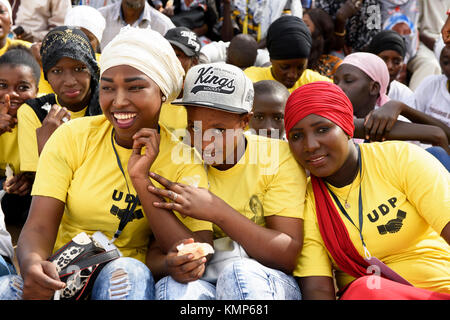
{"x": 245, "y": 279}
{"x": 120, "y": 279}
{"x": 10, "y": 282}
{"x": 441, "y": 155}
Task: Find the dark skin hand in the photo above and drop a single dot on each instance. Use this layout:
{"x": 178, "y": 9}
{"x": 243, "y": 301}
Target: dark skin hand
{"x": 381, "y": 120}
{"x": 182, "y": 268}
{"x": 317, "y": 288}
{"x": 409, "y": 131}
{"x": 7, "y": 118}
{"x": 20, "y": 184}
{"x": 166, "y": 226}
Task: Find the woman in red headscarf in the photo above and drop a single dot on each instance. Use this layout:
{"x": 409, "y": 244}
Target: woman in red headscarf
{"x": 371, "y": 215}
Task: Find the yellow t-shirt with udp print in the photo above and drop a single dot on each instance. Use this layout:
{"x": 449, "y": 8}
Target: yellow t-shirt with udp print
{"x": 406, "y": 204}
{"x": 266, "y": 181}
{"x": 78, "y": 166}
{"x": 28, "y": 122}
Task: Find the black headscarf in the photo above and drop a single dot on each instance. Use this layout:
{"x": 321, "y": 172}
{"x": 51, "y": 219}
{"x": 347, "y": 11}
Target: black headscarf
{"x": 72, "y": 43}
{"x": 387, "y": 40}
{"x": 288, "y": 37}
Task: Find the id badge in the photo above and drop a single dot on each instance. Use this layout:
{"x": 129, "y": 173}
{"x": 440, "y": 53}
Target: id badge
{"x": 104, "y": 242}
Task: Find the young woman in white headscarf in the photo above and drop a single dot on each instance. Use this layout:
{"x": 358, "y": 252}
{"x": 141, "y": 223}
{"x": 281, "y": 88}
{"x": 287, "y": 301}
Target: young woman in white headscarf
{"x": 86, "y": 179}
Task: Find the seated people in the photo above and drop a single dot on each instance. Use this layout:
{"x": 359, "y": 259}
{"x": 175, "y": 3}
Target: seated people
{"x": 289, "y": 44}
{"x": 364, "y": 78}
{"x": 371, "y": 214}
{"x": 255, "y": 199}
{"x": 82, "y": 183}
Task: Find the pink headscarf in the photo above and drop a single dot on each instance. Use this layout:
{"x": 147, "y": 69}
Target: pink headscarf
{"x": 375, "y": 68}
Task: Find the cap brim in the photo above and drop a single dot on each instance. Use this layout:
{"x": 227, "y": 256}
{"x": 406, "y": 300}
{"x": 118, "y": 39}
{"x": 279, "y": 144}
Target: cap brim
{"x": 187, "y": 51}
{"x": 214, "y": 106}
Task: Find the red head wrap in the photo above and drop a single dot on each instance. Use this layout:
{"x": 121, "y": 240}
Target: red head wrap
{"x": 322, "y": 98}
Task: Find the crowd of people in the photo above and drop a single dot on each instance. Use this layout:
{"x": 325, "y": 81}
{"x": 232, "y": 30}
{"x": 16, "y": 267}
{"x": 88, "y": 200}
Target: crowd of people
{"x": 307, "y": 142}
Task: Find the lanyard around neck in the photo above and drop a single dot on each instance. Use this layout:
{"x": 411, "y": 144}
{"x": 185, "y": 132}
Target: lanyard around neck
{"x": 131, "y": 207}
{"x": 360, "y": 207}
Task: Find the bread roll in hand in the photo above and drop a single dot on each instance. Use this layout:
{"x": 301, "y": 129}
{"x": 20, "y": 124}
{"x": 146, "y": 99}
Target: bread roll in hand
{"x": 198, "y": 249}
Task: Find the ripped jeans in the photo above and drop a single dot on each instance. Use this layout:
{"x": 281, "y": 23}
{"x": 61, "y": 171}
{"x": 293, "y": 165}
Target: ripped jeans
{"x": 121, "y": 279}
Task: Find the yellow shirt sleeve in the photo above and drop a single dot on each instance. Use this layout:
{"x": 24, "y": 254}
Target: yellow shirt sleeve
{"x": 259, "y": 73}
{"x": 9, "y": 152}
{"x": 28, "y": 122}
{"x": 188, "y": 170}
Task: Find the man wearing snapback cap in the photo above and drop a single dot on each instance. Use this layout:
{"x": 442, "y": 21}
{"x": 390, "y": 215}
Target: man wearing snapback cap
{"x": 255, "y": 200}
{"x": 186, "y": 45}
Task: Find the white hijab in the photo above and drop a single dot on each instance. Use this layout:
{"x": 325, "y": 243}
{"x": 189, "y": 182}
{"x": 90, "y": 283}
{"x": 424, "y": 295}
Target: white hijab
{"x": 147, "y": 51}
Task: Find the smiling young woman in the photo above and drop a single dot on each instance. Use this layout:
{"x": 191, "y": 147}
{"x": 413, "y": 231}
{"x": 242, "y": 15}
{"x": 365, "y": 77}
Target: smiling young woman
{"x": 69, "y": 65}
{"x": 19, "y": 77}
{"x": 392, "y": 211}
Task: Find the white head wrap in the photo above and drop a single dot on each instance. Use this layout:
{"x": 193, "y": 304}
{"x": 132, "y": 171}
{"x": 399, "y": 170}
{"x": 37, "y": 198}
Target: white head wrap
{"x": 147, "y": 51}
{"x": 86, "y": 17}
{"x": 8, "y": 7}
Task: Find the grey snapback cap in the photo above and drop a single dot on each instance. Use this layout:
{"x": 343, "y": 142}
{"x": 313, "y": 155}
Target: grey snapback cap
{"x": 218, "y": 86}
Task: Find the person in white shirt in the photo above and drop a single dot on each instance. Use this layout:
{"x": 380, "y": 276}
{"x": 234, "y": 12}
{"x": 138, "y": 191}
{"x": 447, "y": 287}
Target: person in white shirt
{"x": 137, "y": 13}
{"x": 433, "y": 94}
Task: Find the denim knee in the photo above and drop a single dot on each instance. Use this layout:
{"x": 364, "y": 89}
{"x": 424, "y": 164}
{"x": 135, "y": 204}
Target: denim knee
{"x": 124, "y": 279}
{"x": 169, "y": 289}
{"x": 247, "y": 279}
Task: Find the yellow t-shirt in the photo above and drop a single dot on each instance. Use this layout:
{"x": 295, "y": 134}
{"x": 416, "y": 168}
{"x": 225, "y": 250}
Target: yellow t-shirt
{"x": 28, "y": 122}
{"x": 78, "y": 166}
{"x": 265, "y": 73}
{"x": 9, "y": 152}
{"x": 399, "y": 181}
{"x": 266, "y": 181}
{"x": 44, "y": 85}
{"x": 174, "y": 117}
